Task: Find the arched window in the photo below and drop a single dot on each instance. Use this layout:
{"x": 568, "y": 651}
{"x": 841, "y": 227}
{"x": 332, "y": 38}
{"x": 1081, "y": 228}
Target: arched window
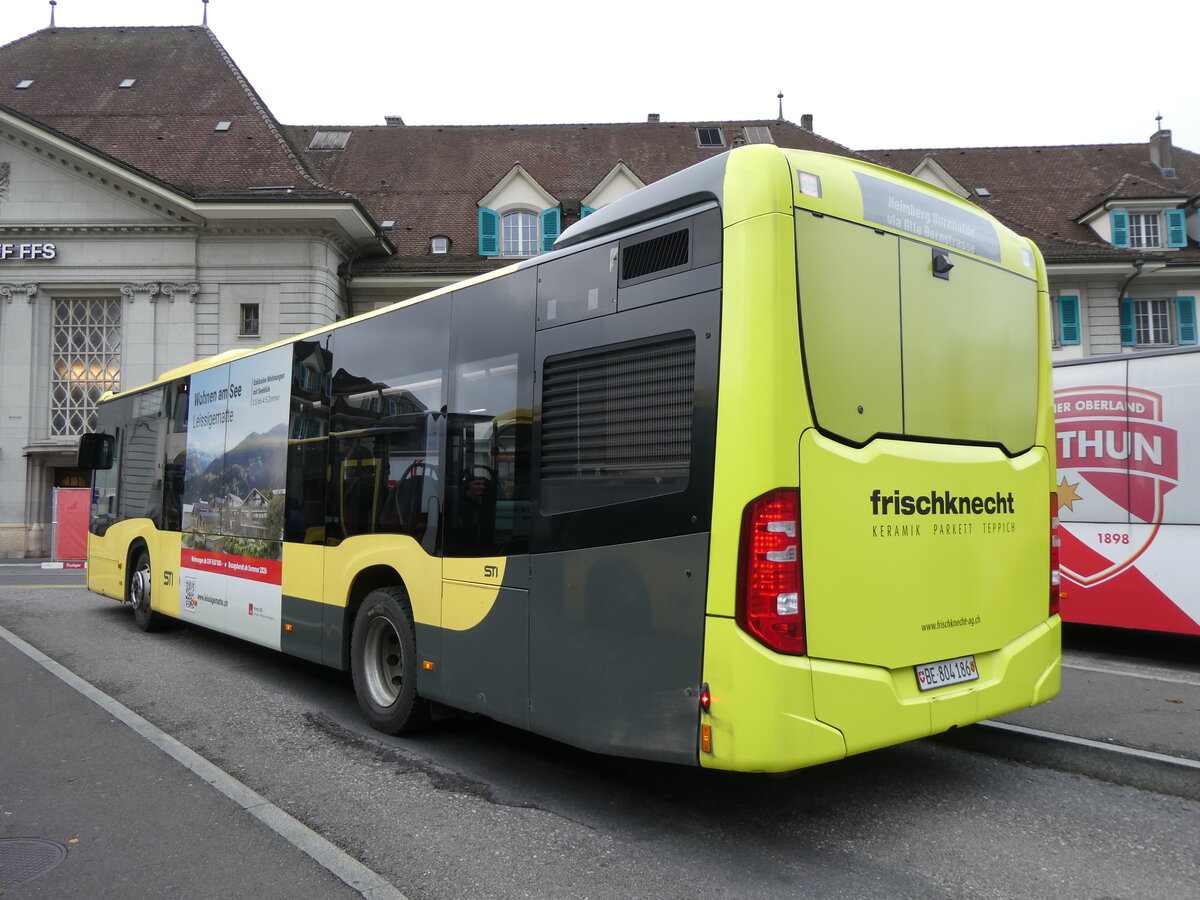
{"x": 519, "y": 234}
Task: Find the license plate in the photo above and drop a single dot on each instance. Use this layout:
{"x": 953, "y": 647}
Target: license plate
{"x": 948, "y": 671}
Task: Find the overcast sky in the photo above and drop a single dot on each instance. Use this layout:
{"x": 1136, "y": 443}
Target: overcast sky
{"x": 875, "y": 74}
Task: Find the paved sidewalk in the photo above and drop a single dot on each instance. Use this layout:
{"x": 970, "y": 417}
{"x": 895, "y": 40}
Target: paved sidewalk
{"x": 134, "y": 822}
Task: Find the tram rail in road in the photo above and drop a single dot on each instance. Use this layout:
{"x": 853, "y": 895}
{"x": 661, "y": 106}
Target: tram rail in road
{"x": 1127, "y": 718}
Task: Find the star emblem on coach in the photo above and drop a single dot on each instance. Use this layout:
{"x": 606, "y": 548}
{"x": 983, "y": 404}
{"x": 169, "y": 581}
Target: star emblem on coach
{"x": 1067, "y": 495}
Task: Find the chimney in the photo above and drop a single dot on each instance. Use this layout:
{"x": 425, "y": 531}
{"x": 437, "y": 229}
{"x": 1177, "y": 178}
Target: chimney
{"x": 1162, "y": 154}
{"x": 806, "y": 121}
{"x": 392, "y": 120}
{"x": 652, "y": 117}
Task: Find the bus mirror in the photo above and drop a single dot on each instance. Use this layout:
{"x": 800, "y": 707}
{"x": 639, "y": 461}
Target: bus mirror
{"x": 96, "y": 451}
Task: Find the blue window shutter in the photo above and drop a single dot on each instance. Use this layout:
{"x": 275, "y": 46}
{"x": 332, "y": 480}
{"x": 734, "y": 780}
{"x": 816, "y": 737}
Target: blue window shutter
{"x": 1185, "y": 318}
{"x": 489, "y": 232}
{"x": 1128, "y": 335}
{"x": 1176, "y": 229}
{"x": 1120, "y": 227}
{"x": 586, "y": 211}
{"x": 551, "y": 226}
{"x": 1068, "y": 320}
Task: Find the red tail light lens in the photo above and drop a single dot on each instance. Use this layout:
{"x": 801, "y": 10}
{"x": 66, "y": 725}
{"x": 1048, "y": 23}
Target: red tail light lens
{"x": 770, "y": 595}
{"x": 1055, "y": 576}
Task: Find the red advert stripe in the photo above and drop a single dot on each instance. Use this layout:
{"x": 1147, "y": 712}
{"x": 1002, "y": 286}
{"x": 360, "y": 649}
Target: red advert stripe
{"x": 267, "y": 571}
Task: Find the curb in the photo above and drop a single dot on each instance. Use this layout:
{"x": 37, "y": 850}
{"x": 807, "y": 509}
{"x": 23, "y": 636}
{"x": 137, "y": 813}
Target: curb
{"x": 1128, "y": 766}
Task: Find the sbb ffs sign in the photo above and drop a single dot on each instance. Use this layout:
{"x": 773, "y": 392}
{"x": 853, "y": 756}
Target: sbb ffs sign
{"x": 28, "y": 251}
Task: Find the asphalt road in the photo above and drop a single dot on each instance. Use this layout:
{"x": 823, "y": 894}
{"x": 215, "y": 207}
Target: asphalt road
{"x": 474, "y": 809}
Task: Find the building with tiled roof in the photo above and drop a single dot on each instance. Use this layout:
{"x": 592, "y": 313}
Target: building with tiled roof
{"x": 1116, "y": 223}
{"x": 427, "y": 182}
{"x": 154, "y": 211}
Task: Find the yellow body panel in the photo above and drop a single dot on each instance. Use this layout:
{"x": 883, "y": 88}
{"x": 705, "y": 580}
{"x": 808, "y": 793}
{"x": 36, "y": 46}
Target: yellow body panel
{"x": 881, "y": 595}
{"x": 108, "y": 568}
{"x": 470, "y": 588}
{"x": 755, "y": 452}
{"x": 421, "y": 572}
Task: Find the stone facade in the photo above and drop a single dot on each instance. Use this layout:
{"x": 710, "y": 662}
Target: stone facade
{"x": 173, "y": 277}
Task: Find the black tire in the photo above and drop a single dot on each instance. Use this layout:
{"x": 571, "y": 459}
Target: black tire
{"x": 383, "y": 661}
{"x": 137, "y": 592}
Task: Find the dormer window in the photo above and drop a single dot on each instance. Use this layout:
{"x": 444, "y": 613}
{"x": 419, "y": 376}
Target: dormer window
{"x": 1144, "y": 229}
{"x": 520, "y": 234}
{"x": 518, "y": 218}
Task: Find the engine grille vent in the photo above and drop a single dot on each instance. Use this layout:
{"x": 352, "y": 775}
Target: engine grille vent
{"x": 667, "y": 251}
{"x": 620, "y": 419}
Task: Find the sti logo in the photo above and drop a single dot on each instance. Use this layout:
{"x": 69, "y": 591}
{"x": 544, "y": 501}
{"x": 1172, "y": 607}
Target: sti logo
{"x": 1114, "y": 438}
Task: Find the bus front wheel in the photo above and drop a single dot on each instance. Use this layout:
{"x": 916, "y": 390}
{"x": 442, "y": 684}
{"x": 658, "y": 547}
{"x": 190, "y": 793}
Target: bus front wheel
{"x": 137, "y": 592}
{"x": 383, "y": 661}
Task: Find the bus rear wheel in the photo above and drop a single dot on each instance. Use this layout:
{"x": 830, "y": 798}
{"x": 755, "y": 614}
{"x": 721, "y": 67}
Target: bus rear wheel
{"x": 383, "y": 661}
{"x": 137, "y": 591}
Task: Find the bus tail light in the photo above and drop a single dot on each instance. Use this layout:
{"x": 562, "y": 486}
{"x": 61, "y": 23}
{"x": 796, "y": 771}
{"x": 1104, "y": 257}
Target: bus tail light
{"x": 770, "y": 595}
{"x": 1055, "y": 575}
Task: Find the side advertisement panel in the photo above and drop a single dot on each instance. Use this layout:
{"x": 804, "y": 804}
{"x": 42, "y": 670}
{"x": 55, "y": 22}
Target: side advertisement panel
{"x": 233, "y": 504}
{"x": 1129, "y": 491}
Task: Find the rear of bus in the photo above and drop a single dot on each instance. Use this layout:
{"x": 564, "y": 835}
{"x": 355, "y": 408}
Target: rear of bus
{"x": 881, "y": 562}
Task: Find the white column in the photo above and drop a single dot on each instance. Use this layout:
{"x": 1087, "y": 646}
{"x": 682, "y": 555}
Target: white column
{"x": 16, "y": 375}
{"x": 176, "y": 343}
{"x": 137, "y": 334}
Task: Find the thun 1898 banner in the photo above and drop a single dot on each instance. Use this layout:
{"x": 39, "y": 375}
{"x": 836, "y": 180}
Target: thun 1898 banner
{"x": 1129, "y": 490}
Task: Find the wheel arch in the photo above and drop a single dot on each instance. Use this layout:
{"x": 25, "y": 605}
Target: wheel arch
{"x": 364, "y": 582}
{"x": 137, "y": 545}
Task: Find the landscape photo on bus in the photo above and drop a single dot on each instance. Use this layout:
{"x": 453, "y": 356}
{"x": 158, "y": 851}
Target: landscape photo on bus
{"x": 754, "y": 469}
{"x": 1129, "y": 488}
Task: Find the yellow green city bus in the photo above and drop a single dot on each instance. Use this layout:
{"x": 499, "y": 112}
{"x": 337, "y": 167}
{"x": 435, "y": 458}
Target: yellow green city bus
{"x": 753, "y": 471}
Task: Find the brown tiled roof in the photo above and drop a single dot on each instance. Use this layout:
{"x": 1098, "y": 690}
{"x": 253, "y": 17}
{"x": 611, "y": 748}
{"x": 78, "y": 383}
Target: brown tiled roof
{"x": 162, "y": 126}
{"x": 1041, "y": 192}
{"x": 429, "y": 179}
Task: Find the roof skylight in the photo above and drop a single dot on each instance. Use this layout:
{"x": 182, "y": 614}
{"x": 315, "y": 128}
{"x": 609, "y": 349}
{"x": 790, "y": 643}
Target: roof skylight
{"x": 329, "y": 140}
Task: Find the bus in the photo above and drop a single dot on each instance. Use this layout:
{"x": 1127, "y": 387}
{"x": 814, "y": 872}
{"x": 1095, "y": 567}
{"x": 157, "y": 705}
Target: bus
{"x": 754, "y": 470}
{"x": 1129, "y": 489}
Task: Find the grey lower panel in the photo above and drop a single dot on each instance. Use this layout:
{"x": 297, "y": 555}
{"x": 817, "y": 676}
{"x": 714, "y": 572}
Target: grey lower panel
{"x": 306, "y": 637}
{"x": 616, "y": 640}
{"x": 486, "y": 668}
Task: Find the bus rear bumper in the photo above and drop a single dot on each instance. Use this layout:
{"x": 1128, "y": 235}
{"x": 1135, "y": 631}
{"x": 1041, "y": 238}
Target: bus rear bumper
{"x": 773, "y": 713}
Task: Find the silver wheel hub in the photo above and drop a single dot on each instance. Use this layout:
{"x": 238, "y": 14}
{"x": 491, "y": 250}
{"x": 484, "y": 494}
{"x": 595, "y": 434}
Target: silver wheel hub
{"x": 384, "y": 661}
{"x": 139, "y": 589}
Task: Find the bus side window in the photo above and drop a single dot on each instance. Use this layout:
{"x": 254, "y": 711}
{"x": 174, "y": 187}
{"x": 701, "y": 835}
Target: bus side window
{"x": 308, "y": 444}
{"x": 490, "y": 423}
{"x": 387, "y": 400}
{"x": 175, "y": 465}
